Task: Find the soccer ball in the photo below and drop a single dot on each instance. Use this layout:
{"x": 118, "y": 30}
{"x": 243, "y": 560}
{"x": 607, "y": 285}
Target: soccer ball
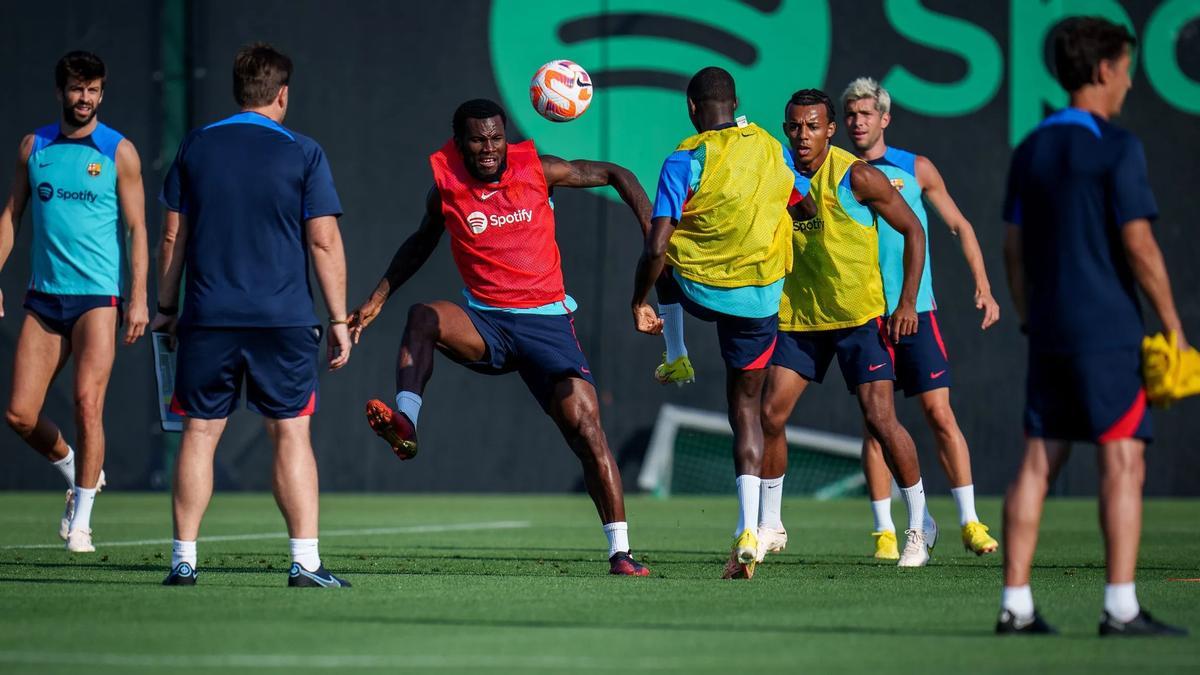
{"x": 561, "y": 90}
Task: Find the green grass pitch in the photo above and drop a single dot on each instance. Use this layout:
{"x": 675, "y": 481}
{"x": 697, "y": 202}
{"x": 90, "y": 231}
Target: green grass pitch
{"x": 504, "y": 584}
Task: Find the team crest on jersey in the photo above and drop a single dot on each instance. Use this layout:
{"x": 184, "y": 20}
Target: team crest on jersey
{"x": 898, "y": 183}
{"x": 93, "y": 169}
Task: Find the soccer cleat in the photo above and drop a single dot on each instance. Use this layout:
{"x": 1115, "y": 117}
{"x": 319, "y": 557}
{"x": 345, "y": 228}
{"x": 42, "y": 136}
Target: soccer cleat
{"x": 393, "y": 427}
{"x": 1142, "y": 625}
{"x": 770, "y": 540}
{"x": 931, "y": 531}
{"x": 79, "y": 540}
{"x": 183, "y": 575}
{"x": 298, "y": 577}
{"x": 976, "y": 539}
{"x": 64, "y": 526}
{"x": 622, "y": 563}
{"x": 916, "y": 550}
{"x": 679, "y": 371}
{"x": 886, "y": 547}
{"x": 1009, "y": 624}
{"x": 742, "y": 557}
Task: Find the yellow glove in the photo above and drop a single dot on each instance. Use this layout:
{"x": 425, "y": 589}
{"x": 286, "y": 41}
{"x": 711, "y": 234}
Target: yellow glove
{"x": 1169, "y": 373}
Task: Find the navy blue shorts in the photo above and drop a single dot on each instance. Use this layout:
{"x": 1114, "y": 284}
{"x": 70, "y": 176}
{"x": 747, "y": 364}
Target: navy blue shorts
{"x": 746, "y": 344}
{"x": 863, "y": 353}
{"x": 542, "y": 348}
{"x": 60, "y": 312}
{"x": 921, "y": 361}
{"x": 279, "y": 366}
{"x": 1093, "y": 397}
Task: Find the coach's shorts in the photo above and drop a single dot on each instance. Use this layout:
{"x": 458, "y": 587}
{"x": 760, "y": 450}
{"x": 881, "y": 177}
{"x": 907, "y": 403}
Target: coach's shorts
{"x": 279, "y": 366}
{"x": 746, "y": 343}
{"x": 61, "y": 312}
{"x": 542, "y": 348}
{"x": 921, "y": 361}
{"x": 1094, "y": 397}
{"x": 863, "y": 353}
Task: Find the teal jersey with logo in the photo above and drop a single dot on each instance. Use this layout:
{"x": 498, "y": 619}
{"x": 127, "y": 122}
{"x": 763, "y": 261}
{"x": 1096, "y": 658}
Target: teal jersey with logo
{"x": 78, "y": 245}
{"x": 900, "y": 168}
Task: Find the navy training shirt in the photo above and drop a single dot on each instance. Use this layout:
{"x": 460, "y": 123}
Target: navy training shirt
{"x": 246, "y": 185}
{"x": 1073, "y": 183}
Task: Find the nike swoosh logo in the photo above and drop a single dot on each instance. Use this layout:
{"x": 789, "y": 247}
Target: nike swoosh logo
{"x": 42, "y": 166}
{"x": 934, "y": 376}
{"x": 483, "y": 196}
{"x": 875, "y": 368}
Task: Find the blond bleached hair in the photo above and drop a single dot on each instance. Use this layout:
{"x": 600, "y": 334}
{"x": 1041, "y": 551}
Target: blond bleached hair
{"x": 867, "y": 87}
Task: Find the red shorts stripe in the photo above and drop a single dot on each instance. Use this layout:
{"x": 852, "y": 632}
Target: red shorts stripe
{"x": 763, "y": 359}
{"x": 176, "y": 407}
{"x": 937, "y": 334}
{"x": 310, "y": 408}
{"x": 887, "y": 340}
{"x": 1128, "y": 424}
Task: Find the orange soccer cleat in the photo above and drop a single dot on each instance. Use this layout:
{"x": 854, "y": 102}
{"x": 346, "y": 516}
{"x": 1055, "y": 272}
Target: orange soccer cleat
{"x": 393, "y": 427}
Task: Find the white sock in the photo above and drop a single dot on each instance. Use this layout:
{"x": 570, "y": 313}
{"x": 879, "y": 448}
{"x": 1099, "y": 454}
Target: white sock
{"x": 672, "y": 316}
{"x": 618, "y": 537}
{"x": 409, "y": 404}
{"x": 183, "y": 552}
{"x": 914, "y": 499}
{"x": 882, "y": 510}
{"x": 771, "y": 503}
{"x": 84, "y": 498}
{"x": 965, "y": 498}
{"x": 1018, "y": 600}
{"x": 304, "y": 551}
{"x": 1120, "y": 601}
{"x": 749, "y": 490}
{"x": 66, "y": 466}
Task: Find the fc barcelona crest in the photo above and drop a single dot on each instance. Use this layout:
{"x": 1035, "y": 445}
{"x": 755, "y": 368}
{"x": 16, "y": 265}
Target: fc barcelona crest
{"x": 897, "y": 183}
{"x": 93, "y": 169}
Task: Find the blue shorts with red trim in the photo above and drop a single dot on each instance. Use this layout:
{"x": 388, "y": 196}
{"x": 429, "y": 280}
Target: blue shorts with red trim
{"x": 1094, "y": 397}
{"x": 921, "y": 361}
{"x": 863, "y": 353}
{"x": 279, "y": 366}
{"x": 746, "y": 343}
{"x": 542, "y": 348}
{"x": 60, "y": 313}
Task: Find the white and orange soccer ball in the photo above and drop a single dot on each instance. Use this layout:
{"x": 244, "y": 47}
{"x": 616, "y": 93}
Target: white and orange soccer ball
{"x": 561, "y": 90}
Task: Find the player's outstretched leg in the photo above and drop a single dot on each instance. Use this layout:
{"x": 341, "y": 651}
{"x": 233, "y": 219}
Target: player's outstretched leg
{"x": 576, "y": 411}
{"x": 743, "y": 391}
{"x": 435, "y": 325}
{"x": 956, "y": 462}
{"x": 878, "y": 407}
{"x": 1022, "y": 513}
{"x": 879, "y": 489}
{"x": 780, "y": 393}
{"x": 1122, "y": 473}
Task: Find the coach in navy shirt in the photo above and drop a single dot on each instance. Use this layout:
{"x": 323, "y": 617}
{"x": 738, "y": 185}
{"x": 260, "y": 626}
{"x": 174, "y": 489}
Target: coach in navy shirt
{"x": 249, "y": 204}
{"x": 1078, "y": 246}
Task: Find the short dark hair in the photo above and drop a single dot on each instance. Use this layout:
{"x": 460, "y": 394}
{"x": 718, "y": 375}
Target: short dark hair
{"x": 811, "y": 97}
{"x": 1081, "y": 43}
{"x": 476, "y": 109}
{"x": 259, "y": 71}
{"x": 712, "y": 84}
{"x": 83, "y": 66}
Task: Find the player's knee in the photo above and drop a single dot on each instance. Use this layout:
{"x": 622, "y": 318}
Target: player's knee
{"x": 89, "y": 407}
{"x": 422, "y": 319}
{"x": 21, "y": 422}
{"x": 879, "y": 419}
{"x": 774, "y": 420}
{"x": 941, "y": 418}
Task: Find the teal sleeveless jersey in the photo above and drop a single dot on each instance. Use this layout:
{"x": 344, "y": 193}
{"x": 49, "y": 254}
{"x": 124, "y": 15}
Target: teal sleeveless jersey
{"x": 900, "y": 168}
{"x": 78, "y": 244}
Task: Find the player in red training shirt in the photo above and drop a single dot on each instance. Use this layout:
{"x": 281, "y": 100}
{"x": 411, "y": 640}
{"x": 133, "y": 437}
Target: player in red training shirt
{"x": 494, "y": 200}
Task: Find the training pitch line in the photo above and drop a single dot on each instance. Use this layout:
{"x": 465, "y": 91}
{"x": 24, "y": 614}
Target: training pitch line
{"x": 411, "y": 529}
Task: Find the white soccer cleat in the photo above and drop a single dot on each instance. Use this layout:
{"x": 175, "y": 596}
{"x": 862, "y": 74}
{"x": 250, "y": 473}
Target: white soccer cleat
{"x": 80, "y": 541}
{"x": 916, "y": 549}
{"x": 64, "y": 526}
{"x": 931, "y": 531}
{"x": 770, "y": 540}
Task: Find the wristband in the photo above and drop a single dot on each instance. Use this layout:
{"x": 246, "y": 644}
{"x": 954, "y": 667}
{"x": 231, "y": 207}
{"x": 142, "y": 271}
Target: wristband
{"x": 338, "y": 322}
{"x": 167, "y": 311}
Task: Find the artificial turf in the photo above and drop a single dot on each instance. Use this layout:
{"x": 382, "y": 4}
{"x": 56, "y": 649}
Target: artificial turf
{"x": 504, "y": 584}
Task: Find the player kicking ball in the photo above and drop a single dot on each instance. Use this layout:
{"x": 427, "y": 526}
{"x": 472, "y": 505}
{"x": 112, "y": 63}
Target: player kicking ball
{"x": 493, "y": 199}
{"x": 922, "y": 365}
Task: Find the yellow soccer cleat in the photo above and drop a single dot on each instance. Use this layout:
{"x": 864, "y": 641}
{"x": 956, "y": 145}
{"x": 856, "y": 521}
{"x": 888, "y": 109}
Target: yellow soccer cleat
{"x": 976, "y": 538}
{"x": 741, "y": 557}
{"x": 886, "y": 547}
{"x": 679, "y": 371}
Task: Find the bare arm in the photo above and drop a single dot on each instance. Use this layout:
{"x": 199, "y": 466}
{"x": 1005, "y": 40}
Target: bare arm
{"x": 409, "y": 258}
{"x": 583, "y": 173}
{"x": 1146, "y": 260}
{"x": 14, "y": 209}
{"x": 933, "y": 190}
{"x": 132, "y": 197}
{"x": 329, "y": 261}
{"x": 171, "y": 248}
{"x": 873, "y": 189}
{"x": 1014, "y": 266}
{"x": 649, "y": 267}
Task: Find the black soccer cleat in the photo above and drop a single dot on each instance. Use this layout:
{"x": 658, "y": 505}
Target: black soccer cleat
{"x": 299, "y": 577}
{"x": 183, "y": 575}
{"x": 1009, "y": 624}
{"x": 1142, "y": 625}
